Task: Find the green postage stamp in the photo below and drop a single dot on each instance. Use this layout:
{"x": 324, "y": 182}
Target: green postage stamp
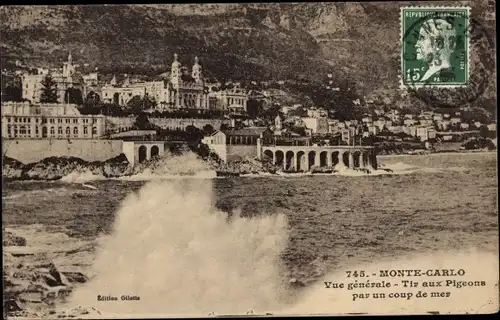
{"x": 435, "y": 46}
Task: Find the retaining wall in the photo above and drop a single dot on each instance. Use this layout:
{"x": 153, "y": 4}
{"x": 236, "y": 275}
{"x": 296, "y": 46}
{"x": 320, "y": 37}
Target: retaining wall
{"x": 34, "y": 150}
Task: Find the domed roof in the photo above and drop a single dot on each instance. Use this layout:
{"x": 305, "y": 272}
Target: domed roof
{"x": 196, "y": 63}
{"x": 176, "y": 62}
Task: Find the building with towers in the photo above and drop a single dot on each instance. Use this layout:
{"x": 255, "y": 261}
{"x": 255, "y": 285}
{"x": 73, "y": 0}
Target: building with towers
{"x": 180, "y": 90}
{"x": 65, "y": 78}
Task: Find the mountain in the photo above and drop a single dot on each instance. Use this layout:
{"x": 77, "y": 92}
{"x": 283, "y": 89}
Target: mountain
{"x": 355, "y": 41}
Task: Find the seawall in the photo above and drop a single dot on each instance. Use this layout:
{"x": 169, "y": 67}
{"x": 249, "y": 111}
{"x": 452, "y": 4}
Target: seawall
{"x": 34, "y": 150}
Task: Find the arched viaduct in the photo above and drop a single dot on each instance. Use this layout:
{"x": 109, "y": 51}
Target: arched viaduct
{"x": 140, "y": 151}
{"x": 303, "y": 158}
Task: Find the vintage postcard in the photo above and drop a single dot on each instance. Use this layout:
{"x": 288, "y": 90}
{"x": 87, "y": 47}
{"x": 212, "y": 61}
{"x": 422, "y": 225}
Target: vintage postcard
{"x": 249, "y": 159}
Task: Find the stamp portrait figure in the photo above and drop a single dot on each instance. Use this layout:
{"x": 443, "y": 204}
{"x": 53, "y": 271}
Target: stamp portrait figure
{"x": 436, "y": 43}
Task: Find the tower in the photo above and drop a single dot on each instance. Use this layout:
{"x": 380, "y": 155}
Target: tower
{"x": 196, "y": 71}
{"x": 68, "y": 68}
{"x": 175, "y": 73}
{"x": 278, "y": 124}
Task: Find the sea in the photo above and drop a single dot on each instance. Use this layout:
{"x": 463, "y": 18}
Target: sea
{"x": 192, "y": 245}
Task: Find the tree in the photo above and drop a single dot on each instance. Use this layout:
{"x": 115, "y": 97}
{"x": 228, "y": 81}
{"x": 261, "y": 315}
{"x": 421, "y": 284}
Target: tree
{"x": 12, "y": 93}
{"x": 193, "y": 134}
{"x": 142, "y": 122}
{"x": 92, "y": 99}
{"x": 49, "y": 90}
{"x": 254, "y": 107}
{"x": 484, "y": 132}
{"x": 73, "y": 95}
{"x": 208, "y": 129}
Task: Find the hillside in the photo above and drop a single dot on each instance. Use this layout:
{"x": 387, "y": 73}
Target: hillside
{"x": 355, "y": 41}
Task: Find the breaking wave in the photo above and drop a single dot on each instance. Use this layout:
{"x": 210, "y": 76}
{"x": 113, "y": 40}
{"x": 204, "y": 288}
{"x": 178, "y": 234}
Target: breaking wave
{"x": 171, "y": 247}
{"x": 82, "y": 177}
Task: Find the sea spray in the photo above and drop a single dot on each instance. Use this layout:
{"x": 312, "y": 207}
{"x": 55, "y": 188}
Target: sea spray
{"x": 181, "y": 256}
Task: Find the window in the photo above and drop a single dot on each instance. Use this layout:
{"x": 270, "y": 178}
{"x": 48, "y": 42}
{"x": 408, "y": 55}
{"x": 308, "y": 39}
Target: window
{"x": 68, "y": 131}
{"x": 22, "y": 130}
{"x": 15, "y": 119}
{"x": 59, "y": 130}
{"x": 51, "y": 120}
{"x": 85, "y": 130}
{"x": 94, "y": 120}
{"x": 94, "y": 130}
{"x": 75, "y": 130}
{"x": 29, "y": 120}
{"x": 75, "y": 120}
{"x": 8, "y": 120}
{"x": 59, "y": 120}
{"x": 68, "y": 120}
{"x": 85, "y": 120}
{"x": 36, "y": 130}
{"x": 52, "y": 130}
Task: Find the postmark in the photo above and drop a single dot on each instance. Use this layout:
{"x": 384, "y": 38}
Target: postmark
{"x": 435, "y": 49}
{"x": 480, "y": 70}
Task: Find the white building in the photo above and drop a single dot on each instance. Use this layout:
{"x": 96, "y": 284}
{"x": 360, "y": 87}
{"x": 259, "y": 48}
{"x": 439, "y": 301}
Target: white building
{"x": 409, "y": 122}
{"x": 233, "y": 101}
{"x": 426, "y": 133}
{"x": 317, "y": 113}
{"x": 455, "y": 120}
{"x": 464, "y": 125}
{"x": 122, "y": 95}
{"x": 41, "y": 121}
{"x": 317, "y": 125}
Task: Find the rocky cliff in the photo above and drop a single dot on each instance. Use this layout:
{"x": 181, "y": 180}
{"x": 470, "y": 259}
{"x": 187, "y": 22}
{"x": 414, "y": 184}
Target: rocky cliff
{"x": 359, "y": 41}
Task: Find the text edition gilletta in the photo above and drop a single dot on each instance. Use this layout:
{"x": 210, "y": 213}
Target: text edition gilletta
{"x": 113, "y": 298}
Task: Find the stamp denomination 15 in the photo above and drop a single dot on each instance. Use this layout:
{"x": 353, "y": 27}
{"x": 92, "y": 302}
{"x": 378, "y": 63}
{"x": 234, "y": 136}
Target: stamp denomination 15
{"x": 435, "y": 46}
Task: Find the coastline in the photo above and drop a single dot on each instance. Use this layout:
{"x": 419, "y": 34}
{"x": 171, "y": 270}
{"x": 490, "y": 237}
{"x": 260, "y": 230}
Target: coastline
{"x": 58, "y": 168}
{"x": 468, "y": 152}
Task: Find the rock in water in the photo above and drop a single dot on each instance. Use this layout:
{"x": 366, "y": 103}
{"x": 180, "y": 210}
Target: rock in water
{"x": 12, "y": 240}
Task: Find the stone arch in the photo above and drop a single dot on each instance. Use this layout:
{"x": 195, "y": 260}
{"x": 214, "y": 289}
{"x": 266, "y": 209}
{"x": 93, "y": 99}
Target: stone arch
{"x": 289, "y": 160}
{"x": 366, "y": 159}
{"x": 357, "y": 158}
{"x": 335, "y": 158}
{"x": 301, "y": 161}
{"x": 345, "y": 158}
{"x": 155, "y": 151}
{"x": 280, "y": 158}
{"x": 373, "y": 160}
{"x": 323, "y": 158}
{"x": 116, "y": 98}
{"x": 312, "y": 159}
{"x": 269, "y": 155}
{"x": 143, "y": 153}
